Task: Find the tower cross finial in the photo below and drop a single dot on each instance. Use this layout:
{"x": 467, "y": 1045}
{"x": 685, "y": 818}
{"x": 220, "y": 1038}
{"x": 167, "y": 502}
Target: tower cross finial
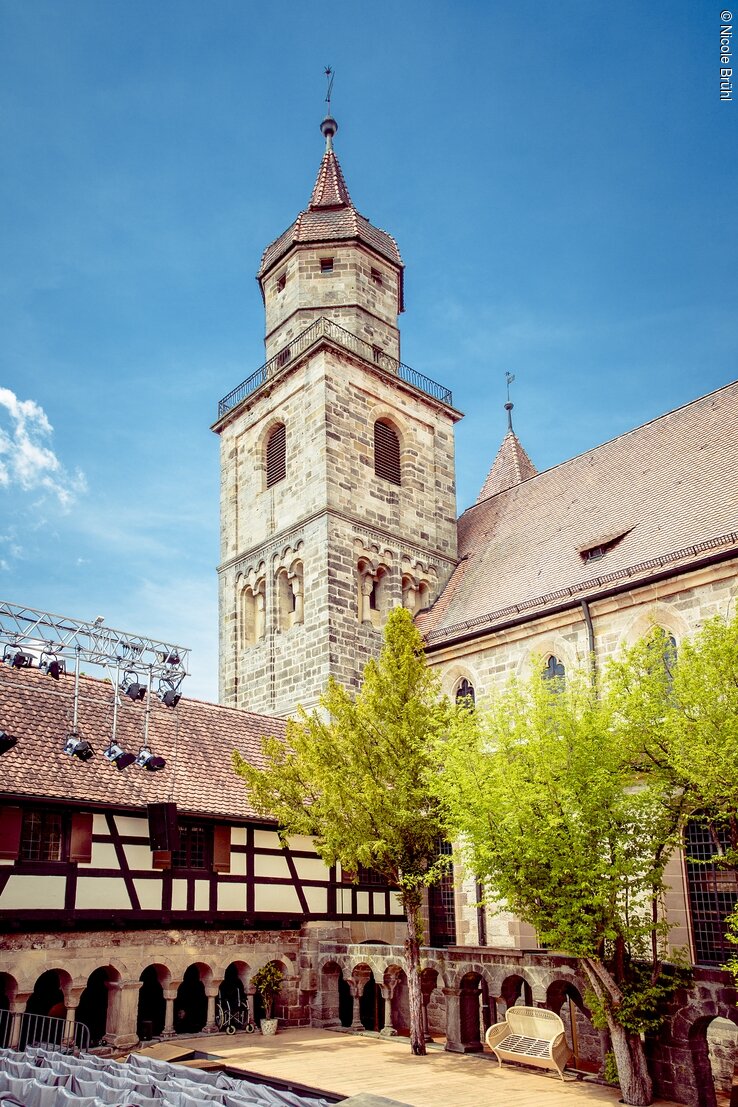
{"x": 329, "y": 74}
{"x": 509, "y": 378}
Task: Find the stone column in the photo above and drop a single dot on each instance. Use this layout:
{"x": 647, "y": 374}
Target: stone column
{"x": 170, "y": 994}
{"x": 250, "y": 993}
{"x": 210, "y": 1026}
{"x": 299, "y": 599}
{"x": 367, "y": 587}
{"x": 388, "y": 1030}
{"x": 71, "y": 1002}
{"x": 126, "y": 1036}
{"x": 453, "y": 1020}
{"x": 427, "y": 1036}
{"x": 111, "y": 1022}
{"x": 356, "y": 1023}
{"x": 17, "y": 1007}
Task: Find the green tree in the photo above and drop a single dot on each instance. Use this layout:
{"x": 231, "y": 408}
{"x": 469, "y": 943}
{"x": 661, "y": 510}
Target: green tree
{"x": 357, "y": 777}
{"x": 542, "y": 794}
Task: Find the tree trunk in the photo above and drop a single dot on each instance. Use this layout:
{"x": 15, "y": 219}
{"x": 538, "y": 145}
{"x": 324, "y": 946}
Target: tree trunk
{"x": 630, "y": 1057}
{"x": 412, "y": 902}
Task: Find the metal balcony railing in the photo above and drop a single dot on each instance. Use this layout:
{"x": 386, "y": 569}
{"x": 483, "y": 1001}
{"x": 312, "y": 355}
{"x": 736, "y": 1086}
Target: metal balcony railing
{"x": 326, "y": 328}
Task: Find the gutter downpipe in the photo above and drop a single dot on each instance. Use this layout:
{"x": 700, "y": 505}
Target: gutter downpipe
{"x": 590, "y": 642}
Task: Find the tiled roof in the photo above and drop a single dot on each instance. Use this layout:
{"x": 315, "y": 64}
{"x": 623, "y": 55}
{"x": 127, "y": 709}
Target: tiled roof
{"x": 196, "y": 738}
{"x": 330, "y": 217}
{"x": 511, "y": 466}
{"x": 652, "y": 494}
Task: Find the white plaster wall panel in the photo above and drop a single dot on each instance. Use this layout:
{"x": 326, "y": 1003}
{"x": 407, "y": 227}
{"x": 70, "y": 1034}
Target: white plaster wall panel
{"x": 238, "y": 864}
{"x": 202, "y": 895}
{"x": 231, "y": 897}
{"x": 139, "y": 857}
{"x": 149, "y": 894}
{"x": 396, "y": 907}
{"x": 271, "y": 866}
{"x": 379, "y": 903}
{"x": 277, "y": 898}
{"x": 266, "y": 839}
{"x": 131, "y": 827}
{"x": 99, "y": 824}
{"x": 317, "y": 900}
{"x": 94, "y": 894}
{"x": 103, "y": 857}
{"x": 179, "y": 895}
{"x": 238, "y": 835}
{"x": 362, "y": 903}
{"x": 309, "y": 869}
{"x": 28, "y": 893}
{"x": 301, "y": 842}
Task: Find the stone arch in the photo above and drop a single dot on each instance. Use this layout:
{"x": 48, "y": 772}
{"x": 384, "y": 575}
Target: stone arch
{"x": 335, "y": 1007}
{"x": 474, "y": 1010}
{"x": 251, "y": 605}
{"x": 8, "y": 992}
{"x": 516, "y": 989}
{"x": 565, "y": 999}
{"x": 689, "y": 1034}
{"x": 452, "y": 678}
{"x": 656, "y": 615}
{"x": 287, "y": 968}
{"x": 152, "y": 1006}
{"x": 191, "y": 1002}
{"x": 51, "y": 992}
{"x": 540, "y": 649}
{"x": 232, "y": 990}
{"x": 95, "y": 1009}
{"x": 434, "y": 1001}
{"x": 373, "y": 592}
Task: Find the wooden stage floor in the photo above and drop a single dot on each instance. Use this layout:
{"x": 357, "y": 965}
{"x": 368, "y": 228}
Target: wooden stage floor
{"x": 347, "y": 1065}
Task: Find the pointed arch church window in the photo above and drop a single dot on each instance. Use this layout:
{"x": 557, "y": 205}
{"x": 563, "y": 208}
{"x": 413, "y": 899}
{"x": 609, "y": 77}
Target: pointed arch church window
{"x": 465, "y": 694}
{"x": 555, "y": 670}
{"x": 386, "y": 453}
{"x": 276, "y": 455}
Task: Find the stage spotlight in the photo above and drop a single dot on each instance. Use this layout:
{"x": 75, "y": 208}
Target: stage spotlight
{"x": 7, "y": 741}
{"x": 118, "y": 756}
{"x": 170, "y": 659}
{"x": 17, "y": 659}
{"x": 168, "y": 693}
{"x": 78, "y": 747}
{"x": 52, "y": 667}
{"x": 132, "y": 688}
{"x": 147, "y": 760}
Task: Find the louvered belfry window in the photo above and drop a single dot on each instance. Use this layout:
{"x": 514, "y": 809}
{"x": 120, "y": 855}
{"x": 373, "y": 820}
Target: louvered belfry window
{"x": 386, "y": 453}
{"x": 276, "y": 465}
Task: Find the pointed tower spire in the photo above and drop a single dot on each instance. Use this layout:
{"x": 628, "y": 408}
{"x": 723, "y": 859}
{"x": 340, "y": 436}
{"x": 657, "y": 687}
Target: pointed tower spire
{"x": 512, "y": 464}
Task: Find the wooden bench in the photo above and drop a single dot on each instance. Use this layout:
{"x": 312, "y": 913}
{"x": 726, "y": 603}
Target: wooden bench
{"x": 532, "y": 1036}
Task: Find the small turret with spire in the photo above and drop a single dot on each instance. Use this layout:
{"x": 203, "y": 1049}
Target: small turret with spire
{"x": 331, "y": 261}
{"x": 512, "y": 464}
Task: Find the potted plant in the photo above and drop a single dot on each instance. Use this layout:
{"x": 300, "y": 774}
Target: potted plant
{"x": 267, "y": 981}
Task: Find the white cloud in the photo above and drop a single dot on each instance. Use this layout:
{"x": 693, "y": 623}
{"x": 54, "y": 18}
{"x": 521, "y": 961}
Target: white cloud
{"x": 25, "y": 458}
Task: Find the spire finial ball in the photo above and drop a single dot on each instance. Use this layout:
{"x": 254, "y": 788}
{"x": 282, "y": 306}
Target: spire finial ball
{"x": 328, "y": 127}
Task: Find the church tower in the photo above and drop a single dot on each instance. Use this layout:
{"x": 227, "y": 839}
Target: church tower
{"x": 337, "y": 464}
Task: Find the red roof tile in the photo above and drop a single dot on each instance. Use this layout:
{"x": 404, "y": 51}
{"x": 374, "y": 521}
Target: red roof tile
{"x": 511, "y": 466}
{"x": 331, "y": 217}
{"x": 196, "y": 738}
{"x": 659, "y": 490}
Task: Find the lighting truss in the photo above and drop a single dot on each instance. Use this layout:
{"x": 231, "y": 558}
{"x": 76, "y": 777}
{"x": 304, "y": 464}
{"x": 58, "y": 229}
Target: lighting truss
{"x": 40, "y": 633}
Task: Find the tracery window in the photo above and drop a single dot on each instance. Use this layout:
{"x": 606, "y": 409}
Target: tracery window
{"x": 555, "y": 670}
{"x": 465, "y": 693}
{"x": 276, "y": 455}
{"x": 387, "y": 453}
{"x": 290, "y": 596}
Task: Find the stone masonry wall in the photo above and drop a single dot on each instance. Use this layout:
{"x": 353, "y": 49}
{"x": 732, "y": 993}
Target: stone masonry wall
{"x": 679, "y": 605}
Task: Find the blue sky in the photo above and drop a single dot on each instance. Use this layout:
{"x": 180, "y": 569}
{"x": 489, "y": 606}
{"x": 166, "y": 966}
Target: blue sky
{"x": 561, "y": 180}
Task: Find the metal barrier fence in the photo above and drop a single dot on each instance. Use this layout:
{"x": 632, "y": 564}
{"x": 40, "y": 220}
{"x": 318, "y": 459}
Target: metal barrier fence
{"x": 21, "y": 1030}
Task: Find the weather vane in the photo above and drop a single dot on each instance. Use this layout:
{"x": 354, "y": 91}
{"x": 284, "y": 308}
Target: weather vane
{"x": 509, "y": 377}
{"x": 329, "y": 74}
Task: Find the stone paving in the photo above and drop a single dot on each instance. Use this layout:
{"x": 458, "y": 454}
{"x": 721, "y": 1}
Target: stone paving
{"x": 352, "y": 1065}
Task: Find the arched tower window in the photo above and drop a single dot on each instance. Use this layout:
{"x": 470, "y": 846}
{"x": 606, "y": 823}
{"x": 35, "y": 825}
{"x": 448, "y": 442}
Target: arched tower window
{"x": 290, "y": 596}
{"x": 554, "y": 670}
{"x": 386, "y": 453}
{"x": 276, "y": 455}
{"x": 465, "y": 694}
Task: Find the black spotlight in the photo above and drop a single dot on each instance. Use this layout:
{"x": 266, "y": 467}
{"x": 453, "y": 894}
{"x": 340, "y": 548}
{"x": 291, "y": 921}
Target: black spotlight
{"x": 118, "y": 756}
{"x": 78, "y": 747}
{"x": 170, "y": 698}
{"x": 7, "y": 741}
{"x": 18, "y": 659}
{"x": 52, "y": 667}
{"x": 136, "y": 691}
{"x": 147, "y": 760}
{"x": 170, "y": 659}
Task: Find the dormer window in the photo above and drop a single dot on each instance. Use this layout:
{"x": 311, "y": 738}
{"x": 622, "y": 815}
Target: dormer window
{"x": 326, "y": 265}
{"x": 281, "y": 282}
{"x": 593, "y": 554}
{"x": 601, "y": 544}
{"x": 376, "y": 277}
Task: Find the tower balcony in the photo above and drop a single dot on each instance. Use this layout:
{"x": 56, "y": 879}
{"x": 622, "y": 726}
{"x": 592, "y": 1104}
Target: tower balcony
{"x": 321, "y": 329}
